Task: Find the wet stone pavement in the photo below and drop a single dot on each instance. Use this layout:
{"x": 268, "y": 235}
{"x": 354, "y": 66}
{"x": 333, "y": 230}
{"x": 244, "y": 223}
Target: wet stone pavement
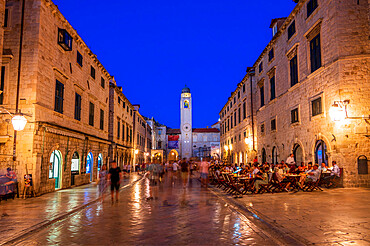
{"x": 190, "y": 216}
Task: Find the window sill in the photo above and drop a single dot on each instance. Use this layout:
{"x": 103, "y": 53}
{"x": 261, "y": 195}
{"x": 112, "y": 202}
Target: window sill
{"x": 292, "y": 88}
{"x": 313, "y": 13}
{"x": 316, "y": 72}
{"x": 292, "y": 37}
{"x": 295, "y": 124}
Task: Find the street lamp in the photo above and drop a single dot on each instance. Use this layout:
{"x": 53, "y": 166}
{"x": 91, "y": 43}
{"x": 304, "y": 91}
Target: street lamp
{"x": 338, "y": 112}
{"x": 136, "y": 151}
{"x": 226, "y": 148}
{"x": 18, "y": 120}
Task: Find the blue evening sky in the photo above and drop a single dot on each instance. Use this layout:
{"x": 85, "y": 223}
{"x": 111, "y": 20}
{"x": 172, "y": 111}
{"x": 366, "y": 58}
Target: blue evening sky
{"x": 154, "y": 47}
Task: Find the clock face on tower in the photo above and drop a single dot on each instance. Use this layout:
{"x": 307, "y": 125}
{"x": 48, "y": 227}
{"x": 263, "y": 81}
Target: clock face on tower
{"x": 186, "y": 127}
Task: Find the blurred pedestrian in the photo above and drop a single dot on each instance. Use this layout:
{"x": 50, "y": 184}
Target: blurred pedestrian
{"x": 114, "y": 175}
{"x": 204, "y": 169}
{"x": 103, "y": 178}
{"x": 154, "y": 174}
{"x": 184, "y": 172}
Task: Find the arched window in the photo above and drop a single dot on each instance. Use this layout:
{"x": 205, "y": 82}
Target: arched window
{"x": 100, "y": 161}
{"x": 263, "y": 155}
{"x": 320, "y": 152}
{"x": 274, "y": 155}
{"x": 298, "y": 154}
{"x": 90, "y": 164}
{"x": 55, "y": 167}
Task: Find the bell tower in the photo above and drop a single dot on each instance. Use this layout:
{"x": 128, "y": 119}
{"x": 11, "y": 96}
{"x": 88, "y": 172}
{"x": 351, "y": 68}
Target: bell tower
{"x": 186, "y": 123}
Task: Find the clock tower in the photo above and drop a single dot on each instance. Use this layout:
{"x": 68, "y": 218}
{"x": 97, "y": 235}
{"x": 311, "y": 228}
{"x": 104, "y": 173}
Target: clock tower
{"x": 186, "y": 123}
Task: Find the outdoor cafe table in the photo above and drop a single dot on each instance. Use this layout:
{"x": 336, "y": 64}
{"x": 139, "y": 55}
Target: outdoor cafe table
{"x": 294, "y": 178}
{"x": 247, "y": 182}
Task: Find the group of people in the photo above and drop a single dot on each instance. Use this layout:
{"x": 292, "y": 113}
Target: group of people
{"x": 263, "y": 173}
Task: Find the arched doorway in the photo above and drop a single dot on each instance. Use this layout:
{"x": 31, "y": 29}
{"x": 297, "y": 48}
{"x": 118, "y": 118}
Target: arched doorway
{"x": 298, "y": 154}
{"x": 75, "y": 166}
{"x": 320, "y": 152}
{"x": 90, "y": 164}
{"x": 55, "y": 168}
{"x": 100, "y": 161}
{"x": 263, "y": 155}
{"x": 158, "y": 158}
{"x": 173, "y": 155}
{"x": 240, "y": 157}
{"x": 274, "y": 155}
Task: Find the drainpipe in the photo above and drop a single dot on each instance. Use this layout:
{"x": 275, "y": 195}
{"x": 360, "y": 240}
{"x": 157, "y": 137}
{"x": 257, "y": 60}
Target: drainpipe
{"x": 18, "y": 78}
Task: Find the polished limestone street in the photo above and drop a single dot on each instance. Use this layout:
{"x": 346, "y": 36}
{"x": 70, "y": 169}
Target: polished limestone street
{"x": 190, "y": 216}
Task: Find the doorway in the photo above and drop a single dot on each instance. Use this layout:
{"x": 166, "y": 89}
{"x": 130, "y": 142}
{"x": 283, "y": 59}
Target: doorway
{"x": 55, "y": 168}
{"x": 90, "y": 165}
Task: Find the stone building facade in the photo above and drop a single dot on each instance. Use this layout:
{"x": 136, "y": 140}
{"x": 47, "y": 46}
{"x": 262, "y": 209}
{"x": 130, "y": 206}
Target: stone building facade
{"x": 120, "y": 126}
{"x": 159, "y": 140}
{"x": 318, "y": 57}
{"x": 142, "y": 137}
{"x": 237, "y": 123}
{"x": 66, "y": 95}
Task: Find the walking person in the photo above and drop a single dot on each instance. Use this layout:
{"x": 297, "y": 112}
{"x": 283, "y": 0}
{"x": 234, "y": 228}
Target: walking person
{"x": 114, "y": 175}
{"x": 154, "y": 175}
{"x": 103, "y": 178}
{"x": 204, "y": 169}
{"x": 184, "y": 172}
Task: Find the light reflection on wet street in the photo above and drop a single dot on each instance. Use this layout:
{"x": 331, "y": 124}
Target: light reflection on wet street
{"x": 191, "y": 216}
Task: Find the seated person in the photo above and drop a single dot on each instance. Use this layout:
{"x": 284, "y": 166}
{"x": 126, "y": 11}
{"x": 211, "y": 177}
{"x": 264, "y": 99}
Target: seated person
{"x": 311, "y": 176}
{"x": 323, "y": 168}
{"x": 261, "y": 178}
{"x": 334, "y": 174}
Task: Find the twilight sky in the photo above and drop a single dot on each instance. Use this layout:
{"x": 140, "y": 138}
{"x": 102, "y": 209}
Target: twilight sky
{"x": 154, "y": 47}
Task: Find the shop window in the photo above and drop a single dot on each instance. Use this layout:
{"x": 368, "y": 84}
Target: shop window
{"x": 64, "y": 39}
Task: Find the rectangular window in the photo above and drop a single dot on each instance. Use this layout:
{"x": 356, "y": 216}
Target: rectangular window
{"x": 77, "y": 106}
{"x": 118, "y": 129}
{"x": 262, "y": 128}
{"x": 231, "y": 119}
{"x": 59, "y": 94}
{"x": 119, "y": 100}
{"x": 127, "y": 135}
{"x": 238, "y": 94}
{"x": 311, "y": 6}
{"x": 234, "y": 100}
{"x": 123, "y": 104}
{"x": 260, "y": 67}
{"x": 235, "y": 118}
{"x": 102, "y": 82}
{"x": 64, "y": 39}
{"x": 271, "y": 54}
{"x": 101, "y": 119}
{"x": 243, "y": 88}
{"x": 2, "y": 85}
{"x": 123, "y": 132}
{"x": 316, "y": 106}
{"x": 92, "y": 72}
{"x": 6, "y": 17}
{"x": 228, "y": 124}
{"x": 79, "y": 59}
{"x": 293, "y": 71}
{"x": 262, "y": 96}
{"x": 294, "y": 116}
{"x": 272, "y": 88}
{"x": 315, "y": 53}
{"x": 239, "y": 116}
{"x": 244, "y": 110}
{"x": 291, "y": 30}
{"x": 130, "y": 135}
{"x": 273, "y": 125}
{"x": 91, "y": 114}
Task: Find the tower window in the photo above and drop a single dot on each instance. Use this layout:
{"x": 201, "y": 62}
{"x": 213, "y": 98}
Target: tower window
{"x": 64, "y": 39}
